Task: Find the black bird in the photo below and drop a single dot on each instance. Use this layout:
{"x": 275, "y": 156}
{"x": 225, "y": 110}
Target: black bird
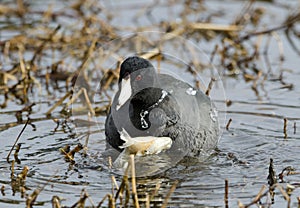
{"x": 151, "y": 104}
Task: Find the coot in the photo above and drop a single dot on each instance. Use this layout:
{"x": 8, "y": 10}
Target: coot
{"x": 152, "y": 104}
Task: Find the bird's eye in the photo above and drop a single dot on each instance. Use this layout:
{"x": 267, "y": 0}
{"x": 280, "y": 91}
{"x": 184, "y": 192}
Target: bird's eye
{"x": 138, "y": 77}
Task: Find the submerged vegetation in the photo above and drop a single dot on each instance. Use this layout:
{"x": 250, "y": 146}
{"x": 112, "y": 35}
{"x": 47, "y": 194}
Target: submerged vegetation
{"x": 58, "y": 51}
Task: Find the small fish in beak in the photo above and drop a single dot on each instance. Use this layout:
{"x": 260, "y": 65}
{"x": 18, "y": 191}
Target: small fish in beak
{"x": 140, "y": 146}
{"x": 147, "y": 145}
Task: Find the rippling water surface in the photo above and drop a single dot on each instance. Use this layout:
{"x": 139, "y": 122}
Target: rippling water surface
{"x": 254, "y": 136}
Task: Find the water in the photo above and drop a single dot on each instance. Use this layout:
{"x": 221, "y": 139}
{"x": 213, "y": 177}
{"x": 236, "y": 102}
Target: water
{"x": 244, "y": 151}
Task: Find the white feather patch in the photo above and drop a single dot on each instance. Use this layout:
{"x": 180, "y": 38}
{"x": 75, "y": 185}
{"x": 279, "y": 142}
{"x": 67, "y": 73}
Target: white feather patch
{"x": 125, "y": 92}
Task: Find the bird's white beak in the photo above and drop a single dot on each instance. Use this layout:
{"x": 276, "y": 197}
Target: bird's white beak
{"x": 125, "y": 92}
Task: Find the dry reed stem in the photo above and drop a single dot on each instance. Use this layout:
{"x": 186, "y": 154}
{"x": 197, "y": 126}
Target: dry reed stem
{"x": 17, "y": 139}
{"x": 88, "y": 102}
{"x": 21, "y": 60}
{"x": 111, "y": 201}
{"x": 283, "y": 192}
{"x": 12, "y": 169}
{"x": 155, "y": 191}
{"x": 259, "y": 195}
{"x": 41, "y": 47}
{"x": 3, "y": 190}
{"x": 59, "y": 102}
{"x": 133, "y": 182}
{"x": 88, "y": 55}
{"x": 175, "y": 33}
{"x": 55, "y": 202}
{"x": 147, "y": 203}
{"x": 74, "y": 97}
{"x": 124, "y": 187}
{"x": 228, "y": 124}
{"x": 270, "y": 191}
{"x": 210, "y": 85}
{"x": 285, "y": 127}
{"x": 22, "y": 176}
{"x": 172, "y": 189}
{"x": 150, "y": 54}
{"x": 226, "y": 193}
{"x": 113, "y": 185}
{"x": 216, "y": 27}
{"x": 32, "y": 198}
{"x": 18, "y": 147}
{"x": 103, "y": 199}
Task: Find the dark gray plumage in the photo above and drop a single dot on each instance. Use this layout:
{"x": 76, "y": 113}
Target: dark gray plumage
{"x": 160, "y": 105}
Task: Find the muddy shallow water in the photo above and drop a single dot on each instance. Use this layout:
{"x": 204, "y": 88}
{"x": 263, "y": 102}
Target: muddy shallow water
{"x": 254, "y": 136}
